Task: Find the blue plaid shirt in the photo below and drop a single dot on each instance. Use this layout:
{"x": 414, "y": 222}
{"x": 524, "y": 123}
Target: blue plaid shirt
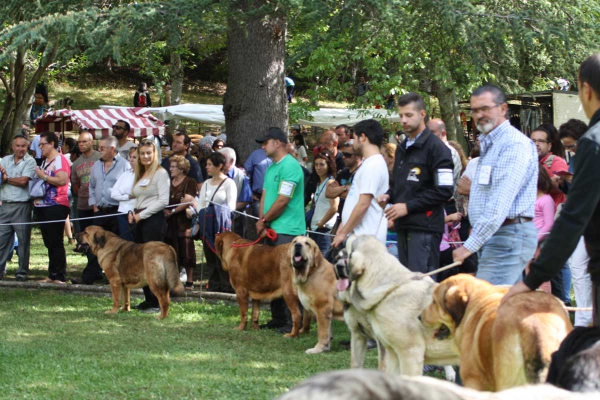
{"x": 512, "y": 187}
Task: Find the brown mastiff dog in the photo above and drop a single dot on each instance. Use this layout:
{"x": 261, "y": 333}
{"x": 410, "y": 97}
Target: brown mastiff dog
{"x": 315, "y": 279}
{"x": 258, "y": 272}
{"x": 129, "y": 265}
{"x": 499, "y": 347}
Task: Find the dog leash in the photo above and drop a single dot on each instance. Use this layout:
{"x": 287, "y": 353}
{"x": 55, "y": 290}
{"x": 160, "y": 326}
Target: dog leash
{"x": 454, "y": 264}
{"x": 271, "y": 234}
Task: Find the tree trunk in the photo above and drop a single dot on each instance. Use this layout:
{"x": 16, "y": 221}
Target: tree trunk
{"x": 255, "y": 99}
{"x": 451, "y": 113}
{"x": 176, "y": 74}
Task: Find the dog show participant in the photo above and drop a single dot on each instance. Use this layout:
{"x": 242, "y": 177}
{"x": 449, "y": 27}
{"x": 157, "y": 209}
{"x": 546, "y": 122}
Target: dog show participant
{"x": 121, "y": 192}
{"x": 15, "y": 171}
{"x": 181, "y": 146}
{"x": 422, "y": 184}
{"x": 361, "y": 214}
{"x": 121, "y": 132}
{"x": 103, "y": 176}
{"x": 80, "y": 177}
{"x": 242, "y": 184}
{"x": 256, "y": 167}
{"x": 151, "y": 191}
{"x": 53, "y": 206}
{"x": 580, "y": 214}
{"x": 281, "y": 209}
{"x": 221, "y": 190}
{"x": 503, "y": 193}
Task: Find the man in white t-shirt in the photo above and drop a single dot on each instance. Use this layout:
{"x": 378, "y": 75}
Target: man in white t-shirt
{"x": 362, "y": 215}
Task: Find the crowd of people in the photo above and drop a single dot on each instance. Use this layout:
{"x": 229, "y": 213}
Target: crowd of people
{"x": 495, "y": 211}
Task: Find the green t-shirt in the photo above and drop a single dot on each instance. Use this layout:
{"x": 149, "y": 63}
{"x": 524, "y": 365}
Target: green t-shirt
{"x": 286, "y": 178}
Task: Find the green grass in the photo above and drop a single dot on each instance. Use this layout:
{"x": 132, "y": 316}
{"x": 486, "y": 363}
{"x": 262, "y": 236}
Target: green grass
{"x": 58, "y": 345}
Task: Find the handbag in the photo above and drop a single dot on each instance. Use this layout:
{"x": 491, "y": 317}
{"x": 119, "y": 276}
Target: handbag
{"x": 200, "y": 217}
{"x": 36, "y": 185}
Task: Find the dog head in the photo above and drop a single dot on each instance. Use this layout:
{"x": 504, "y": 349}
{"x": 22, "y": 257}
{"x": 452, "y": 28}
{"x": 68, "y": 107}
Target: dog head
{"x": 223, "y": 242}
{"x": 450, "y": 300}
{"x": 305, "y": 255}
{"x": 93, "y": 238}
{"x": 342, "y": 272}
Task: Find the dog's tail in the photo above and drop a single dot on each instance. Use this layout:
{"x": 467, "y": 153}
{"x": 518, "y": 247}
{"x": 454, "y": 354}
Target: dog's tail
{"x": 172, "y": 272}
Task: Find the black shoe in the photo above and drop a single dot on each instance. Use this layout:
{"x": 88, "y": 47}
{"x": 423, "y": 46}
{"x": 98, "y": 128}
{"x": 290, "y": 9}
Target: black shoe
{"x": 285, "y": 329}
{"x": 150, "y": 310}
{"x": 21, "y": 278}
{"x": 345, "y": 344}
{"x": 144, "y": 305}
{"x": 371, "y": 344}
{"x": 79, "y": 281}
{"x": 271, "y": 325}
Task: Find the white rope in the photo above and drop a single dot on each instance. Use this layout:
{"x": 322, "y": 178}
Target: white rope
{"x": 454, "y": 264}
{"x": 80, "y": 219}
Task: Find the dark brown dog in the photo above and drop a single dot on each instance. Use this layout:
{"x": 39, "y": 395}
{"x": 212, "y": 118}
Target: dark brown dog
{"x": 129, "y": 265}
{"x": 260, "y": 272}
{"x": 499, "y": 347}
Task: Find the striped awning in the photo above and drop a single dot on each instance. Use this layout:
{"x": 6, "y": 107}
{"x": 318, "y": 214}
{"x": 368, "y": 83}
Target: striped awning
{"x": 99, "y": 122}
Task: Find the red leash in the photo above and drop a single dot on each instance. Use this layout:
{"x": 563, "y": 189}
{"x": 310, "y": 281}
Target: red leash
{"x": 271, "y": 234}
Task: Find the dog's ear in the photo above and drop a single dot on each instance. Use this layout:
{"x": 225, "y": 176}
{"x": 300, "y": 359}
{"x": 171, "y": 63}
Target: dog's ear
{"x": 455, "y": 302}
{"x": 100, "y": 240}
{"x": 219, "y": 246}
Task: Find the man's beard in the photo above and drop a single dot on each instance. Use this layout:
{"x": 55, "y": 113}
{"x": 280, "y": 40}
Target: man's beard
{"x": 485, "y": 127}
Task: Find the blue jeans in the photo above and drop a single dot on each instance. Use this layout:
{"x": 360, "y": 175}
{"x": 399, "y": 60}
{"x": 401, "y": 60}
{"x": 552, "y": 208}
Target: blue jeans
{"x": 323, "y": 240}
{"x": 503, "y": 258}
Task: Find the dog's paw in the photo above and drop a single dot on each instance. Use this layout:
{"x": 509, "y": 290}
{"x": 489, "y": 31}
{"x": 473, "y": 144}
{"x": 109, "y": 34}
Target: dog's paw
{"x": 316, "y": 350}
{"x": 240, "y": 328}
{"x": 450, "y": 373}
{"x": 111, "y": 312}
{"x": 290, "y": 335}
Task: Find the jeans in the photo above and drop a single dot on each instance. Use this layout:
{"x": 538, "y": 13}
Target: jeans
{"x": 419, "y": 251}
{"x": 323, "y": 240}
{"x": 582, "y": 284}
{"x": 504, "y": 256}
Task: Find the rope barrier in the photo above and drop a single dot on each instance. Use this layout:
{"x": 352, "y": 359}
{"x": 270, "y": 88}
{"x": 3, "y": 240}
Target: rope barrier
{"x": 454, "y": 264}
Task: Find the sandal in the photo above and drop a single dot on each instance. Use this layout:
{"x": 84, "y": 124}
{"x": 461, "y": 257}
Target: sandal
{"x": 189, "y": 286}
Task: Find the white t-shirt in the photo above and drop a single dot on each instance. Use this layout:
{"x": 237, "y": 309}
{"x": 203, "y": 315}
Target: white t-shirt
{"x": 124, "y": 150}
{"x": 301, "y": 155}
{"x": 226, "y": 195}
{"x": 471, "y": 168}
{"x": 371, "y": 178}
{"x": 321, "y": 207}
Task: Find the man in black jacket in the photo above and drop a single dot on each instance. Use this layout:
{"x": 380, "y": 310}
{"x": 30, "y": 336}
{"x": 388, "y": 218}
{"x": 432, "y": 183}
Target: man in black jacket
{"x": 581, "y": 212}
{"x": 422, "y": 184}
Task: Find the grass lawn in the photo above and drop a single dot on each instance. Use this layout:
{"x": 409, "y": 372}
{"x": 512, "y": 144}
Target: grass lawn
{"x": 59, "y": 345}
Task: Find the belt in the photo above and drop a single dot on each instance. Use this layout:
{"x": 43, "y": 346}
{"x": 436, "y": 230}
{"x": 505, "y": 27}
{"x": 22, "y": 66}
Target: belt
{"x": 108, "y": 209}
{"x": 516, "y": 220}
{"x": 138, "y": 210}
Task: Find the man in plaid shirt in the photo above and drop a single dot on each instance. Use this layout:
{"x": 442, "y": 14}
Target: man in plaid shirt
{"x": 503, "y": 193}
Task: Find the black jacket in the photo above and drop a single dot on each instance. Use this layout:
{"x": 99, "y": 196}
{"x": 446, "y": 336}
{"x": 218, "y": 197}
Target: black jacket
{"x": 580, "y": 214}
{"x": 415, "y": 182}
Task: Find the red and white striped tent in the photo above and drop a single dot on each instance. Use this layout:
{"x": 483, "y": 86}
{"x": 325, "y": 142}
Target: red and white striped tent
{"x": 99, "y": 122}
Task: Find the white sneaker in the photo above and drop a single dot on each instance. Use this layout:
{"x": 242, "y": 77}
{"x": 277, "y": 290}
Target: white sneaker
{"x": 182, "y": 275}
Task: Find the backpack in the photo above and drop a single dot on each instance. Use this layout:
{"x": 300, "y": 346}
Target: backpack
{"x": 142, "y": 99}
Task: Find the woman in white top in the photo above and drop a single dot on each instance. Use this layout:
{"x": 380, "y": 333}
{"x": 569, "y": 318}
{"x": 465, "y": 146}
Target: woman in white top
{"x": 121, "y": 192}
{"x": 325, "y": 213}
{"x": 302, "y": 157}
{"x": 151, "y": 192}
{"x": 223, "y": 193}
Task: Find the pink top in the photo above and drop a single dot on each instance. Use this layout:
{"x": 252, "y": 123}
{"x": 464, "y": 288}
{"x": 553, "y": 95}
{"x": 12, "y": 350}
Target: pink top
{"x": 544, "y": 215}
{"x": 55, "y": 195}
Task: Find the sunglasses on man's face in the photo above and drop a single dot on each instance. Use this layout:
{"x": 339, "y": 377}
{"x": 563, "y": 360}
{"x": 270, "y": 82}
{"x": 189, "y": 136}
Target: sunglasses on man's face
{"x": 118, "y": 127}
{"x": 348, "y": 155}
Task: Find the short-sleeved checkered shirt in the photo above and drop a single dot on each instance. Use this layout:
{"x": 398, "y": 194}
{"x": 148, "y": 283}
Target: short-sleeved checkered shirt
{"x": 511, "y": 189}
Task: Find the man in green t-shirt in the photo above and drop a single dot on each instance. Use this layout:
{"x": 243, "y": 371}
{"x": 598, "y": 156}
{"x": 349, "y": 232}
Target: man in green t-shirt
{"x": 281, "y": 208}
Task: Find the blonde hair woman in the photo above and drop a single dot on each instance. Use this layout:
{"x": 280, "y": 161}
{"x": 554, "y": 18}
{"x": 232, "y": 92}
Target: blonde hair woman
{"x": 151, "y": 192}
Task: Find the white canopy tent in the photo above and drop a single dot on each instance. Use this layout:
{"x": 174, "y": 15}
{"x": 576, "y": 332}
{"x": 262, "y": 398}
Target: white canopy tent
{"x": 323, "y": 118}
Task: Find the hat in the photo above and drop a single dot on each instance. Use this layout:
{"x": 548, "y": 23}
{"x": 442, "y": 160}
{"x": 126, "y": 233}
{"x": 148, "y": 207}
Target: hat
{"x": 273, "y": 133}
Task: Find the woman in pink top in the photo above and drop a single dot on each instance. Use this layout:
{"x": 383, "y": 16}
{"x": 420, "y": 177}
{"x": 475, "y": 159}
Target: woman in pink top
{"x": 54, "y": 205}
{"x": 544, "y": 214}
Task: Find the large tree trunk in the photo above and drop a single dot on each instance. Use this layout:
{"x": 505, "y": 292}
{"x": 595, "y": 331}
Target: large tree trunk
{"x": 255, "y": 98}
{"x": 176, "y": 74}
{"x": 451, "y": 113}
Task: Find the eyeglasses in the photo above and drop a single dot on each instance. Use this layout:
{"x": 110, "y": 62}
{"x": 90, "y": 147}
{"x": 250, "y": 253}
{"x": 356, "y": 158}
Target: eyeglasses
{"x": 483, "y": 109}
{"x": 102, "y": 148}
{"x": 147, "y": 143}
{"x": 570, "y": 146}
{"x": 42, "y": 144}
{"x": 118, "y": 127}
{"x": 348, "y": 155}
{"x": 536, "y": 141}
